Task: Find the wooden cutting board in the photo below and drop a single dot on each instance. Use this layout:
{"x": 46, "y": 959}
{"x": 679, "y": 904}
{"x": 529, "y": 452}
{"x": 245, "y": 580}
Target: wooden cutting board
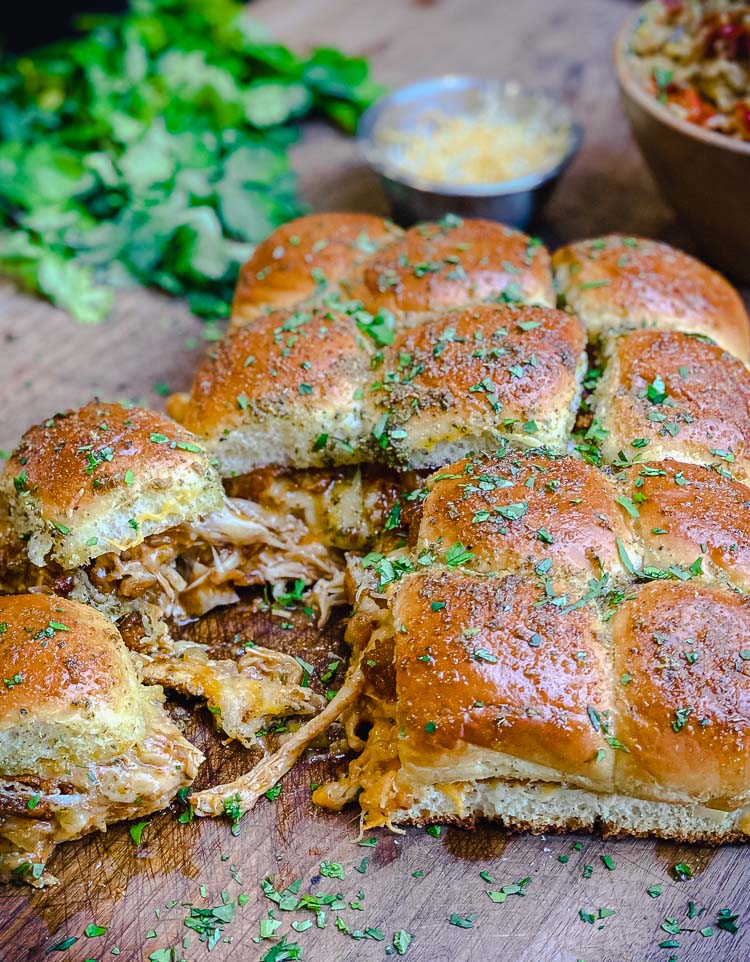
{"x": 413, "y": 882}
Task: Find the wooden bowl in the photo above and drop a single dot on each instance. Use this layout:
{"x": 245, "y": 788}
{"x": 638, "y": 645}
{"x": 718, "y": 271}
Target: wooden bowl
{"x": 705, "y": 176}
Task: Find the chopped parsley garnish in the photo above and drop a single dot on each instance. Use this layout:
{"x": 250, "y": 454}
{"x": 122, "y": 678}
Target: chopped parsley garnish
{"x": 462, "y": 921}
{"x": 401, "y": 941}
{"x": 457, "y": 555}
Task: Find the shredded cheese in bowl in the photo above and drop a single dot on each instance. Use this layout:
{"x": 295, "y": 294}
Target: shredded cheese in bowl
{"x": 489, "y": 145}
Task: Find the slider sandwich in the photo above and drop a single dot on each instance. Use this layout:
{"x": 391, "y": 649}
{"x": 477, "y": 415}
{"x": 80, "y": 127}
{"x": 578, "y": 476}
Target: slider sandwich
{"x": 430, "y": 348}
{"x": 83, "y": 743}
{"x": 122, "y": 509}
{"x": 553, "y": 657}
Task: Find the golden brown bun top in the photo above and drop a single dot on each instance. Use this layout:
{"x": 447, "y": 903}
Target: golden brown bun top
{"x": 70, "y": 690}
{"x": 691, "y": 511}
{"x": 524, "y": 510}
{"x": 288, "y": 367}
{"x": 464, "y": 377}
{"x": 702, "y": 408}
{"x": 524, "y": 351}
{"x": 453, "y": 263}
{"x": 683, "y": 694}
{"x": 104, "y": 476}
{"x": 644, "y": 283}
{"x": 309, "y": 255}
{"x": 480, "y": 661}
{"x": 79, "y": 454}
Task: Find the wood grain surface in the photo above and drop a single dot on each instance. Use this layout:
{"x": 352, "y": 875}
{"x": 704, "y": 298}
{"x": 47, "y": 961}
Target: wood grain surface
{"x": 143, "y": 894}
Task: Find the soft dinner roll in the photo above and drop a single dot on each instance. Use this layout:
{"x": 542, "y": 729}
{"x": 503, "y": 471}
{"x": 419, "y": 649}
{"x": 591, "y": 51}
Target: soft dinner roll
{"x": 487, "y": 699}
{"x": 490, "y": 683}
{"x": 668, "y": 394}
{"x": 619, "y": 283}
{"x": 103, "y": 478}
{"x": 468, "y": 380}
{"x": 682, "y": 700}
{"x": 454, "y": 263}
{"x": 691, "y": 515}
{"x": 82, "y": 742}
{"x": 285, "y": 391}
{"x": 524, "y": 511}
{"x": 310, "y": 257}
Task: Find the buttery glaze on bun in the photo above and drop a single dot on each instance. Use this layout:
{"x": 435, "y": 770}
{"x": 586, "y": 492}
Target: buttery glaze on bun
{"x": 665, "y": 394}
{"x": 466, "y": 380}
{"x": 284, "y": 391}
{"x": 525, "y": 510}
{"x": 683, "y": 711}
{"x": 103, "y": 478}
{"x": 630, "y": 714}
{"x": 490, "y": 682}
{"x": 454, "y": 263}
{"x": 692, "y": 515}
{"x": 82, "y": 742}
{"x": 306, "y": 259}
{"x": 620, "y": 283}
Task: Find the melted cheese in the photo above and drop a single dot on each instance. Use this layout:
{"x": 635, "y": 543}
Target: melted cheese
{"x": 141, "y": 781}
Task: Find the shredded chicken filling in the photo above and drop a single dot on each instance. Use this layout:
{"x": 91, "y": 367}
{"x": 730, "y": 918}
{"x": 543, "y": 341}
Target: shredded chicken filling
{"x": 38, "y": 814}
{"x": 244, "y": 696}
{"x": 193, "y": 568}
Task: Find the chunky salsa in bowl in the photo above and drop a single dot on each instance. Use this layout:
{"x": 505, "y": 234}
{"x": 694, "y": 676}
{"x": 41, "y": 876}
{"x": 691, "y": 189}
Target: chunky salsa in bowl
{"x": 694, "y": 56}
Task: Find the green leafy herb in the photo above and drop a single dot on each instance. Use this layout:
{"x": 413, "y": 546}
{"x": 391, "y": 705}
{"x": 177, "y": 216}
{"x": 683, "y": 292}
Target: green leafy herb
{"x": 233, "y": 808}
{"x": 154, "y": 148}
{"x": 136, "y": 832}
{"x": 64, "y": 945}
{"x": 401, "y": 941}
{"x": 462, "y": 921}
{"x": 457, "y": 555}
{"x": 381, "y": 328}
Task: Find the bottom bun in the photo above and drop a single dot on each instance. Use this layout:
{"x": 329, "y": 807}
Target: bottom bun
{"x": 547, "y": 808}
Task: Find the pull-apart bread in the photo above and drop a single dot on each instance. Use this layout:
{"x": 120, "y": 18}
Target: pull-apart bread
{"x": 564, "y": 648}
{"x": 320, "y": 409}
{"x": 121, "y": 508}
{"x": 544, "y": 640}
{"x": 83, "y": 743}
{"x": 531, "y": 485}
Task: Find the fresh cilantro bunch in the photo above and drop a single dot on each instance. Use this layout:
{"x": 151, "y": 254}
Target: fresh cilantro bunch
{"x": 154, "y": 149}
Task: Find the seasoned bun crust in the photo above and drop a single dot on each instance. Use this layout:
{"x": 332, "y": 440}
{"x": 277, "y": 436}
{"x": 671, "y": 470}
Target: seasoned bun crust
{"x": 453, "y": 263}
{"x": 683, "y": 700}
{"x": 562, "y": 631}
{"x": 676, "y": 396}
{"x": 72, "y": 695}
{"x": 619, "y": 283}
{"x": 101, "y": 478}
{"x": 282, "y": 391}
{"x": 688, "y": 513}
{"x": 479, "y": 663}
{"x": 493, "y": 680}
{"x": 465, "y": 380}
{"x": 310, "y": 257}
{"x": 525, "y": 510}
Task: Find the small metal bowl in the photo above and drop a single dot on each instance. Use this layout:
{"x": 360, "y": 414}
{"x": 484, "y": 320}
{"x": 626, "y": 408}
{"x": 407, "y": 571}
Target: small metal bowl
{"x": 412, "y": 198}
